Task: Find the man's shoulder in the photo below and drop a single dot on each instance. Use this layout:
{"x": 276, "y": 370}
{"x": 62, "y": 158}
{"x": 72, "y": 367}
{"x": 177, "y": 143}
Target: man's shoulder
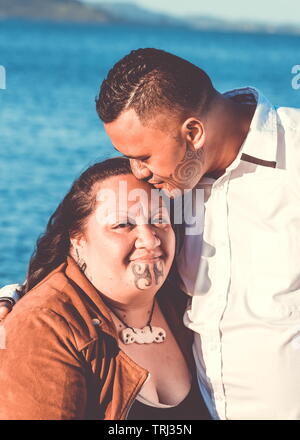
{"x": 289, "y": 118}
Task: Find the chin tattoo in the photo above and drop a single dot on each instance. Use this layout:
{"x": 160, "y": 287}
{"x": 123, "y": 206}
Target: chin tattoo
{"x": 143, "y": 277}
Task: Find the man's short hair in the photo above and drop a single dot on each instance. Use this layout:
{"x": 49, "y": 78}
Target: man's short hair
{"x": 152, "y": 81}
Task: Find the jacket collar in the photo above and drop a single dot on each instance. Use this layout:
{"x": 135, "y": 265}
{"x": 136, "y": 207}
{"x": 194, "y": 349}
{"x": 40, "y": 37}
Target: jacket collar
{"x": 102, "y": 313}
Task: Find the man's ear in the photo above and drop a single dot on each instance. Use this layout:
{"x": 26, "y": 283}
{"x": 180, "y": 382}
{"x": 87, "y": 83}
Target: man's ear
{"x": 193, "y": 131}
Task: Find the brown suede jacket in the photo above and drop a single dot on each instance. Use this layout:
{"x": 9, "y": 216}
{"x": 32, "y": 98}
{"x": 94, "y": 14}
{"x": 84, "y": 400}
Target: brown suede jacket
{"x": 61, "y": 359}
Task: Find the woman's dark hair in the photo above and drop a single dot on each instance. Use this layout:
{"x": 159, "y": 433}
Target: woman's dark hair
{"x": 150, "y": 81}
{"x": 69, "y": 218}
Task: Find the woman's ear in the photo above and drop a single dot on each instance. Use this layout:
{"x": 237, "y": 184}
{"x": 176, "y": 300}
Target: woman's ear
{"x": 193, "y": 131}
{"x": 77, "y": 251}
{"x": 77, "y": 245}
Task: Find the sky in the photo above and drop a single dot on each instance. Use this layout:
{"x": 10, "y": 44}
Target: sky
{"x": 267, "y": 11}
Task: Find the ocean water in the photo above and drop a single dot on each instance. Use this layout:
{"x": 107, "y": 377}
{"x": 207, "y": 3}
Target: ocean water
{"x": 49, "y": 130}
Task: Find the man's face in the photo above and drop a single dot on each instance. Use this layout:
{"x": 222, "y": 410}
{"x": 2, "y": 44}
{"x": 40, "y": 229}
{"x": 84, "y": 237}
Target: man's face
{"x": 162, "y": 156}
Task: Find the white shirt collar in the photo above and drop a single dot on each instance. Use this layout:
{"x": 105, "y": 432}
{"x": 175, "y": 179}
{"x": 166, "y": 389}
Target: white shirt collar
{"x": 260, "y": 145}
{"x": 261, "y": 141}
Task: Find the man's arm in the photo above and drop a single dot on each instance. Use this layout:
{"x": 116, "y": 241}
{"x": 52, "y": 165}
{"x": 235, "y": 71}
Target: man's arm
{"x": 8, "y": 298}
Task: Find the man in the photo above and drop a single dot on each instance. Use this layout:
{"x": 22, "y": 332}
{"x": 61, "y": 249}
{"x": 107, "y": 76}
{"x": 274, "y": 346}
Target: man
{"x": 243, "y": 273}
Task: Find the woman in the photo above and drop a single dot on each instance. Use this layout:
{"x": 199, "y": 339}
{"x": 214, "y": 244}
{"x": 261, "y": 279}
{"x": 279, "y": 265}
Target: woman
{"x": 99, "y": 332}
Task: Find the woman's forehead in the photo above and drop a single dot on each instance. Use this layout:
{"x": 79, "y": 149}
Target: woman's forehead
{"x": 140, "y": 204}
{"x": 133, "y": 197}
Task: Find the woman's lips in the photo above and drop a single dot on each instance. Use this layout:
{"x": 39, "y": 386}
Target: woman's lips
{"x": 146, "y": 257}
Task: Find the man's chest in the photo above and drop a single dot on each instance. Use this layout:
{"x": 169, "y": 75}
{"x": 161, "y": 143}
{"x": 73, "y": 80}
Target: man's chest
{"x": 249, "y": 248}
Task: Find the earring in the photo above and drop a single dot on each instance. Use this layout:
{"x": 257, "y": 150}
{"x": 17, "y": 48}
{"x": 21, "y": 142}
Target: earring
{"x": 81, "y": 263}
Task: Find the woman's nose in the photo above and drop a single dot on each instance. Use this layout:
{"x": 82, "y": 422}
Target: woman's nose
{"x": 147, "y": 237}
{"x": 139, "y": 169}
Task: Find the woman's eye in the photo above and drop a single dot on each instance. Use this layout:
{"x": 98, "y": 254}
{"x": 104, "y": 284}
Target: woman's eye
{"x": 123, "y": 225}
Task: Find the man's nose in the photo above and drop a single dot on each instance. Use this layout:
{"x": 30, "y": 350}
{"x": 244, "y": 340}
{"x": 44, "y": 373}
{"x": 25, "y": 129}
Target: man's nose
{"x": 147, "y": 237}
{"x": 139, "y": 169}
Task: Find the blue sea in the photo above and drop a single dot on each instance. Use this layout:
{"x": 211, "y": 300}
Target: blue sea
{"x": 49, "y": 130}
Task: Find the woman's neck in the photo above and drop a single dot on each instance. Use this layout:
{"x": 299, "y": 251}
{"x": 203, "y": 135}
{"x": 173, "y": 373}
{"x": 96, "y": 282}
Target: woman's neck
{"x": 134, "y": 313}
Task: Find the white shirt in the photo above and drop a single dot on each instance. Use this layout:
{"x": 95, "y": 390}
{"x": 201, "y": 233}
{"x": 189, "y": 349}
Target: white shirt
{"x": 244, "y": 274}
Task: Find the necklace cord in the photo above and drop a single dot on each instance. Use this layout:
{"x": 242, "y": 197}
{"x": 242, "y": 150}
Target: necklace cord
{"x": 128, "y": 326}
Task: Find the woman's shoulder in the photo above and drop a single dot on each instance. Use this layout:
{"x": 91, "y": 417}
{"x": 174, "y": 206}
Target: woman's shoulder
{"x": 54, "y": 307}
{"x": 52, "y": 293}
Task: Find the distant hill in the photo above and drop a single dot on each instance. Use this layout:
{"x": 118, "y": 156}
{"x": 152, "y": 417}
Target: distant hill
{"x": 55, "y": 10}
{"x": 212, "y": 23}
{"x": 131, "y": 13}
{"x": 86, "y": 11}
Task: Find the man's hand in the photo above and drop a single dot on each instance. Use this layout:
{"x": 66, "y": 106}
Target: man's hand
{"x": 5, "y": 308}
{"x": 8, "y": 298}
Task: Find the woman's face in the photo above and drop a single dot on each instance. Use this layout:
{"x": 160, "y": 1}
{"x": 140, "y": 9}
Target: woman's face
{"x": 128, "y": 243}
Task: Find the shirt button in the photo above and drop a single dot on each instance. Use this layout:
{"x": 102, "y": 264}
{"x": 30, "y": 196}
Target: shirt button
{"x": 96, "y": 321}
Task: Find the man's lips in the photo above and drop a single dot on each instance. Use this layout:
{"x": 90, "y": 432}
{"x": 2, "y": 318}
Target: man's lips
{"x": 156, "y": 182}
{"x": 159, "y": 185}
{"x": 163, "y": 184}
{"x": 166, "y": 188}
